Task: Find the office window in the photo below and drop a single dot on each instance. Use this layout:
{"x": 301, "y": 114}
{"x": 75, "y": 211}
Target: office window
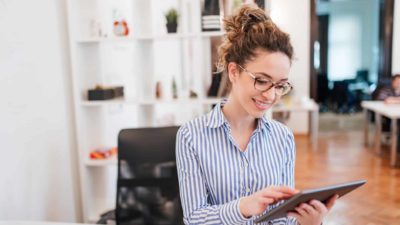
{"x": 344, "y": 56}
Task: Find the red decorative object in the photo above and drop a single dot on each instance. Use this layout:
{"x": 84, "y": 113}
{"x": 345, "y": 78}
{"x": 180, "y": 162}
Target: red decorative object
{"x": 121, "y": 28}
{"x": 103, "y": 153}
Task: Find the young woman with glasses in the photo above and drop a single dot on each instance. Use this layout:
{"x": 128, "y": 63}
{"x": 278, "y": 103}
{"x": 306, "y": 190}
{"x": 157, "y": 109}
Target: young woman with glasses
{"x": 233, "y": 163}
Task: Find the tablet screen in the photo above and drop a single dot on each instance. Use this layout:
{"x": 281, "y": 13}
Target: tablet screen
{"x": 322, "y": 194}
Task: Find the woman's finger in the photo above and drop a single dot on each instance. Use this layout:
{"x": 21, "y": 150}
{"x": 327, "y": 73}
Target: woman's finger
{"x": 319, "y": 206}
{"x": 274, "y": 194}
{"x": 284, "y": 189}
{"x": 267, "y": 201}
{"x": 331, "y": 201}
{"x": 301, "y": 211}
{"x": 308, "y": 208}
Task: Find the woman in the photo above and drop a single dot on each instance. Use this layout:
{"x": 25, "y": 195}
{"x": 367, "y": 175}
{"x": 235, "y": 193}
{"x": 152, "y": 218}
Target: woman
{"x": 233, "y": 163}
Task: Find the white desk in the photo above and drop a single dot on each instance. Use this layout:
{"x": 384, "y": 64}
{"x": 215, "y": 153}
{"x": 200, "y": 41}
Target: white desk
{"x": 381, "y": 109}
{"x": 37, "y": 223}
{"x": 307, "y": 106}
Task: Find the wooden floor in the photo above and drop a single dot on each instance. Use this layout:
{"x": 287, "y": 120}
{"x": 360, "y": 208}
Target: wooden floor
{"x": 341, "y": 157}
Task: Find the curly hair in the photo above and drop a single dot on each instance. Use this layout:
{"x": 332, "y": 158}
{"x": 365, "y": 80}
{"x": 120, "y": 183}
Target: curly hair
{"x": 248, "y": 29}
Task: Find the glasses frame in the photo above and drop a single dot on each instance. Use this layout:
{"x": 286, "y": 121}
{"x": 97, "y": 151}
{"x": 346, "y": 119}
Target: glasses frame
{"x": 255, "y": 78}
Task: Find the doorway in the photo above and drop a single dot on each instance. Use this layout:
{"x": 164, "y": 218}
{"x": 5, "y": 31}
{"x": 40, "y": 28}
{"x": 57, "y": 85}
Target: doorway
{"x": 351, "y": 47}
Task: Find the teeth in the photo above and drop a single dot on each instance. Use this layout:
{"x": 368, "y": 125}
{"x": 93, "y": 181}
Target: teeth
{"x": 262, "y": 103}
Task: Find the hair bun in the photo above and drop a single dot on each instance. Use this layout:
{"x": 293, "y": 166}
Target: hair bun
{"x": 242, "y": 21}
{"x": 248, "y": 29}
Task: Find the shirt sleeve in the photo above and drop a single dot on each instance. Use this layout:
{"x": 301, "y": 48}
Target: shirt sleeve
{"x": 193, "y": 191}
{"x": 288, "y": 173}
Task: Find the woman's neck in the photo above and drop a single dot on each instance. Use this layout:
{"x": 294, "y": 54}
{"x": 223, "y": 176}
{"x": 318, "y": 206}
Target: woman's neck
{"x": 237, "y": 117}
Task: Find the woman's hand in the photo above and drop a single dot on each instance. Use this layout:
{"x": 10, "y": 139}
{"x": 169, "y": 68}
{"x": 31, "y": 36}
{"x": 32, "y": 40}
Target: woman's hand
{"x": 258, "y": 202}
{"x": 314, "y": 212}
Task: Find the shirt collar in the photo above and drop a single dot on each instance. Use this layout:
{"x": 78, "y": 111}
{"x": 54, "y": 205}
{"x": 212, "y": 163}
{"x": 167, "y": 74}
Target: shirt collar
{"x": 264, "y": 123}
{"x": 216, "y": 118}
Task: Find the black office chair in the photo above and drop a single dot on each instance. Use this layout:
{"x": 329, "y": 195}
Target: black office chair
{"x": 147, "y": 185}
{"x": 340, "y": 98}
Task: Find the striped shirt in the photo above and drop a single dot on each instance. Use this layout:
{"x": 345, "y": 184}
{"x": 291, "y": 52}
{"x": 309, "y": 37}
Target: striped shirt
{"x": 214, "y": 174}
{"x": 385, "y": 93}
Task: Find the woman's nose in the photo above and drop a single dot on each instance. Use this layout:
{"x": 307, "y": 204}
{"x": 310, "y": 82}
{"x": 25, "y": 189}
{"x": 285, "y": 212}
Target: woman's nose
{"x": 269, "y": 94}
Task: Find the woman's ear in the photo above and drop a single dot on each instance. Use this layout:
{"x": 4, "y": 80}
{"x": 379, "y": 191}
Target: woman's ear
{"x": 233, "y": 72}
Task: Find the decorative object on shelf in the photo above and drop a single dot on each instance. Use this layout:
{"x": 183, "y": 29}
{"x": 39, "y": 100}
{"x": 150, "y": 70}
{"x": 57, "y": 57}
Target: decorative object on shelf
{"x": 192, "y": 94}
{"x": 105, "y": 93}
{"x": 120, "y": 25}
{"x": 172, "y": 20}
{"x": 95, "y": 28}
{"x": 158, "y": 90}
{"x": 210, "y": 16}
{"x": 174, "y": 89}
{"x": 121, "y": 28}
{"x": 103, "y": 153}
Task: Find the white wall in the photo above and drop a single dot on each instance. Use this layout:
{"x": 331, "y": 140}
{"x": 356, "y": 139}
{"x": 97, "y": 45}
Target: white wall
{"x": 295, "y": 20}
{"x": 396, "y": 38}
{"x": 36, "y": 132}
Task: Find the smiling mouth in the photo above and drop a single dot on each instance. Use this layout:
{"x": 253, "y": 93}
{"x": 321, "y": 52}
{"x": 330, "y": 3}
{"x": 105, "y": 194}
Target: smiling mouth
{"x": 262, "y": 105}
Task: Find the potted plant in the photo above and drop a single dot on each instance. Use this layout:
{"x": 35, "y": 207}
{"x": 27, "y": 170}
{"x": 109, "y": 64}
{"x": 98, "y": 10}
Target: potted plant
{"x": 172, "y": 20}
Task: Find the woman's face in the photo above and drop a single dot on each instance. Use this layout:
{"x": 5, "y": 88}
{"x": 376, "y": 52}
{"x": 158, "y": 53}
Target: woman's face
{"x": 266, "y": 66}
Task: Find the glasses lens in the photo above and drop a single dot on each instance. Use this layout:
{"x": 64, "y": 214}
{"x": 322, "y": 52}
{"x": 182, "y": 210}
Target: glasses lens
{"x": 263, "y": 85}
{"x": 282, "y": 89}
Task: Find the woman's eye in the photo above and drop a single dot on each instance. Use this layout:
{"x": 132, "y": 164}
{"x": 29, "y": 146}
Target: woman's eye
{"x": 280, "y": 86}
{"x": 263, "y": 82}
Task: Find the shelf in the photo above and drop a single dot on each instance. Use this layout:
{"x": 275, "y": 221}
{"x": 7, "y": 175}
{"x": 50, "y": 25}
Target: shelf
{"x": 181, "y": 35}
{"x": 212, "y": 34}
{"x": 149, "y": 102}
{"x": 204, "y": 101}
{"x": 114, "y": 59}
{"x": 150, "y": 37}
{"x": 101, "y": 162}
{"x": 105, "y": 40}
{"x": 107, "y": 102}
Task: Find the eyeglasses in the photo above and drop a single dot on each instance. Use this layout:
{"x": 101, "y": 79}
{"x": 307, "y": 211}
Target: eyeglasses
{"x": 262, "y": 84}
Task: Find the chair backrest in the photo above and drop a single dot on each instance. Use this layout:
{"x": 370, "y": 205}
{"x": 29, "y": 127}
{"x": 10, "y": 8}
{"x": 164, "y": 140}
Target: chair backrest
{"x": 147, "y": 185}
{"x": 340, "y": 91}
{"x": 147, "y": 145}
{"x": 323, "y": 88}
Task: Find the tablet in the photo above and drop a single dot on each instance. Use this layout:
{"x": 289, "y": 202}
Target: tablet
{"x": 321, "y": 194}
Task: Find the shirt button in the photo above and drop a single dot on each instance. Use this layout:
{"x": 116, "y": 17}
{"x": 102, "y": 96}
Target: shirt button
{"x": 247, "y": 190}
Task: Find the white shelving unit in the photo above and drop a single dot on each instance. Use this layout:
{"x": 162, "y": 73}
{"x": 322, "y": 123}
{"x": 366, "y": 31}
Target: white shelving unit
{"x": 146, "y": 56}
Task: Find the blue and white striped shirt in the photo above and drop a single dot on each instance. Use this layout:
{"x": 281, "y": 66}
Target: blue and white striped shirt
{"x": 214, "y": 174}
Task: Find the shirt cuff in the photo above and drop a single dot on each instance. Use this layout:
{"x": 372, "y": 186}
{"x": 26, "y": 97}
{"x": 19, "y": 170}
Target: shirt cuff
{"x": 230, "y": 213}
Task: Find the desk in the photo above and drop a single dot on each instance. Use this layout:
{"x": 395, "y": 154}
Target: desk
{"x": 381, "y": 109}
{"x": 37, "y": 223}
{"x": 305, "y": 106}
